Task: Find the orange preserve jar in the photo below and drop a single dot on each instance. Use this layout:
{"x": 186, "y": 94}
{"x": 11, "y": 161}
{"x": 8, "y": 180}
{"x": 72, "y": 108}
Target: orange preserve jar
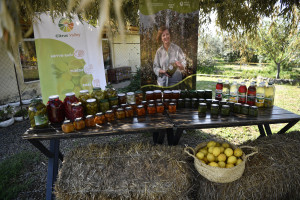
{"x": 172, "y": 107}
{"x": 157, "y": 94}
{"x": 167, "y": 94}
{"x": 109, "y": 115}
{"x": 141, "y": 110}
{"x": 160, "y": 108}
{"x": 67, "y": 126}
{"x": 151, "y": 109}
{"x": 120, "y": 114}
{"x": 129, "y": 112}
{"x": 100, "y": 118}
{"x": 149, "y": 95}
{"x": 133, "y": 106}
{"x": 90, "y": 121}
{"x": 79, "y": 123}
{"x": 122, "y": 98}
{"x": 166, "y": 103}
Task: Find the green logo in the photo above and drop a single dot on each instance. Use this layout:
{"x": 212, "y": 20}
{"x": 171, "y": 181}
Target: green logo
{"x": 66, "y": 25}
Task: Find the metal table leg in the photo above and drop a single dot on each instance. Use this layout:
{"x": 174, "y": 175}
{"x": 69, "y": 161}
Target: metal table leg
{"x": 177, "y": 136}
{"x": 287, "y": 127}
{"x": 158, "y": 137}
{"x": 268, "y": 129}
{"x": 261, "y": 130}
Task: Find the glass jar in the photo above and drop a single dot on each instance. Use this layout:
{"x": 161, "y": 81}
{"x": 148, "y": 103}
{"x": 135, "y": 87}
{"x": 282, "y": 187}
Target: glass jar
{"x": 157, "y": 94}
{"x": 113, "y": 101}
{"x": 200, "y": 94}
{"x": 141, "y": 110}
{"x": 68, "y": 101}
{"x": 175, "y": 94}
{"x": 124, "y": 105}
{"x": 104, "y": 105}
{"x": 237, "y": 107}
{"x": 77, "y": 111}
{"x": 79, "y": 124}
{"x": 193, "y": 94}
{"x": 166, "y": 103}
{"x": 183, "y": 94}
{"x": 138, "y": 97}
{"x": 110, "y": 92}
{"x": 100, "y": 118}
{"x": 215, "y": 101}
{"x": 130, "y": 97}
{"x": 67, "y": 126}
{"x": 90, "y": 121}
{"x": 158, "y": 101}
{"x": 122, "y": 98}
{"x": 201, "y": 100}
{"x": 172, "y": 108}
{"x": 167, "y": 94}
{"x": 109, "y": 115}
{"x": 120, "y": 113}
{"x": 174, "y": 101}
{"x": 151, "y": 109}
{"x": 194, "y": 103}
{"x": 55, "y": 110}
{"x": 208, "y": 103}
{"x": 128, "y": 112}
{"x": 83, "y": 97}
{"x": 160, "y": 108}
{"x": 114, "y": 108}
{"x": 180, "y": 103}
{"x": 202, "y": 109}
{"x": 207, "y": 94}
{"x": 37, "y": 112}
{"x": 133, "y": 106}
{"x": 214, "y": 111}
{"x": 253, "y": 111}
{"x": 245, "y": 109}
{"x": 98, "y": 94}
{"x": 187, "y": 103}
{"x": 145, "y": 104}
{"x": 149, "y": 95}
{"x": 225, "y": 110}
{"x": 91, "y": 107}
{"x": 221, "y": 103}
{"x": 231, "y": 105}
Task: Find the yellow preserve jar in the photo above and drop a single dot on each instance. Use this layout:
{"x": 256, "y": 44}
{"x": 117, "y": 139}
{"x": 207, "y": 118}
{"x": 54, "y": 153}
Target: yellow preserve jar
{"x": 38, "y": 114}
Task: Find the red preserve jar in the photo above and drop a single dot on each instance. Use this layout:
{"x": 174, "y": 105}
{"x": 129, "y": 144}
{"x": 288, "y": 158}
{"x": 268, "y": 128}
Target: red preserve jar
{"x": 55, "y": 110}
{"x": 68, "y": 101}
{"x": 77, "y": 111}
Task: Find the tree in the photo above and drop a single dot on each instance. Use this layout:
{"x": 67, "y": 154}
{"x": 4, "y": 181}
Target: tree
{"x": 278, "y": 40}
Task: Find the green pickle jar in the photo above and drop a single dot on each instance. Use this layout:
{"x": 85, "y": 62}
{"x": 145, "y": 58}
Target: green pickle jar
{"x": 194, "y": 103}
{"x": 245, "y": 109}
{"x": 113, "y": 101}
{"x": 214, "y": 111}
{"x": 187, "y": 103}
{"x": 110, "y": 92}
{"x": 253, "y": 111}
{"x": 98, "y": 94}
{"x": 83, "y": 97}
{"x": 225, "y": 110}
{"x": 91, "y": 107}
{"x": 104, "y": 105}
{"x": 202, "y": 109}
{"x": 237, "y": 107}
{"x": 180, "y": 103}
{"x": 38, "y": 114}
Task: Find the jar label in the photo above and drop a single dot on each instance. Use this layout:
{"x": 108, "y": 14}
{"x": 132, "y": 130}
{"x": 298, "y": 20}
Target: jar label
{"x": 40, "y": 120}
{"x": 242, "y": 97}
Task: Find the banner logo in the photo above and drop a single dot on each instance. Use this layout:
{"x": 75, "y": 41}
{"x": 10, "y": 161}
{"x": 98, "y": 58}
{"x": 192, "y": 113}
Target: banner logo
{"x": 66, "y": 25}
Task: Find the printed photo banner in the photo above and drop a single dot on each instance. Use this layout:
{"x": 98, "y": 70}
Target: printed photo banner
{"x": 69, "y": 56}
{"x": 179, "y": 61}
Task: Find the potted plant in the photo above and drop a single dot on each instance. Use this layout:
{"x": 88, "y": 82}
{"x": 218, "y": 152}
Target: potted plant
{"x": 21, "y": 114}
{"x": 6, "y": 118}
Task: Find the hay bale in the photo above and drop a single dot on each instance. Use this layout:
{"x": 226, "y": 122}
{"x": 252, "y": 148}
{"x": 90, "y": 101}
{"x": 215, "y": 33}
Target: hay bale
{"x": 273, "y": 173}
{"x": 128, "y": 171}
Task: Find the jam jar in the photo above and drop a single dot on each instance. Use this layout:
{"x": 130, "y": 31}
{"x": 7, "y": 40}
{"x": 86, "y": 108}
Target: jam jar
{"x": 151, "y": 102}
{"x": 83, "y": 97}
{"x": 133, "y": 106}
{"x": 77, "y": 111}
{"x": 160, "y": 108}
{"x": 149, "y": 95}
{"x": 130, "y": 97}
{"x": 175, "y": 94}
{"x": 128, "y": 112}
{"x": 174, "y": 101}
{"x": 55, "y": 110}
{"x": 200, "y": 94}
{"x": 109, "y": 115}
{"x": 167, "y": 94}
{"x": 180, "y": 103}
{"x": 104, "y": 105}
{"x": 67, "y": 126}
{"x": 141, "y": 110}
{"x": 172, "y": 108}
{"x": 79, "y": 123}
{"x": 120, "y": 113}
{"x": 122, "y": 98}
{"x": 151, "y": 109}
{"x": 253, "y": 111}
{"x": 138, "y": 97}
{"x": 202, "y": 109}
{"x": 158, "y": 101}
{"x": 214, "y": 111}
{"x": 100, "y": 118}
{"x": 90, "y": 121}
{"x": 38, "y": 114}
{"x": 145, "y": 104}
{"x": 225, "y": 110}
{"x": 113, "y": 101}
{"x": 91, "y": 107}
{"x": 157, "y": 94}
{"x": 68, "y": 101}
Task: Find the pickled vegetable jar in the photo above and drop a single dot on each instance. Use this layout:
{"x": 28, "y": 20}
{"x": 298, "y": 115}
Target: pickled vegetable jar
{"x": 145, "y": 104}
{"x": 91, "y": 107}
{"x": 193, "y": 94}
{"x": 194, "y": 103}
{"x": 68, "y": 101}
{"x": 200, "y": 94}
{"x": 120, "y": 113}
{"x": 149, "y": 95}
{"x": 174, "y": 101}
{"x": 214, "y": 111}
{"x": 141, "y": 110}
{"x": 202, "y": 109}
{"x": 231, "y": 105}
{"x": 90, "y": 121}
{"x": 83, "y": 97}
{"x": 183, "y": 94}
{"x": 133, "y": 106}
{"x": 98, "y": 94}
{"x": 109, "y": 115}
{"x": 225, "y": 110}
{"x": 110, "y": 92}
{"x": 187, "y": 103}
{"x": 207, "y": 94}
{"x": 130, "y": 97}
{"x": 77, "y": 111}
{"x": 245, "y": 109}
{"x": 157, "y": 94}
{"x": 104, "y": 105}
{"x": 122, "y": 98}
{"x": 172, "y": 108}
{"x": 180, "y": 103}
{"x": 114, "y": 109}
{"x": 138, "y": 97}
{"x": 151, "y": 109}
{"x": 113, "y": 101}
{"x": 38, "y": 114}
{"x": 55, "y": 110}
{"x": 237, "y": 107}
{"x": 253, "y": 111}
{"x": 208, "y": 103}
{"x": 160, "y": 108}
{"x": 79, "y": 123}
{"x": 128, "y": 112}
{"x": 100, "y": 118}
{"x": 67, "y": 126}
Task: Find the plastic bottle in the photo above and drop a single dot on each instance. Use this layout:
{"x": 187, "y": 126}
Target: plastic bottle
{"x": 260, "y": 95}
{"x": 242, "y": 93}
{"x": 219, "y": 89}
{"x": 251, "y": 94}
{"x": 233, "y": 92}
{"x": 226, "y": 90}
{"x": 269, "y": 95}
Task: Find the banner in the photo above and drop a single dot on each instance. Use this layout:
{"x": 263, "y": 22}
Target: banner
{"x": 169, "y": 42}
{"x": 69, "y": 56}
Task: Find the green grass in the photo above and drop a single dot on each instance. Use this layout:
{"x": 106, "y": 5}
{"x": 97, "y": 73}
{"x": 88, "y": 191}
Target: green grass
{"x": 12, "y": 169}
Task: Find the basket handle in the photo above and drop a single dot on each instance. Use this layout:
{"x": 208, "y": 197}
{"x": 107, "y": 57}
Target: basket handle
{"x": 254, "y": 149}
{"x": 187, "y": 149}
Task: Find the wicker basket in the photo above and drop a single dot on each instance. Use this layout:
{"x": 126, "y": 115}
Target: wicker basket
{"x": 217, "y": 174}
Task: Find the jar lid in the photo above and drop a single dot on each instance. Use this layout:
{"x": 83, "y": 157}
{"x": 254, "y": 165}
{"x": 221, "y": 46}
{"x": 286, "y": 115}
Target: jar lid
{"x": 168, "y": 91}
{"x": 138, "y": 92}
{"x": 237, "y": 104}
{"x": 67, "y": 122}
{"x": 166, "y": 100}
{"x": 91, "y": 100}
{"x": 103, "y": 100}
{"x": 158, "y": 100}
{"x": 194, "y": 99}
{"x": 128, "y": 108}
{"x": 97, "y": 88}
{"x": 151, "y": 105}
{"x": 175, "y": 91}
{"x": 174, "y": 100}
{"x": 149, "y": 92}
{"x": 200, "y": 90}
{"x": 70, "y": 94}
{"x": 207, "y": 90}
{"x": 140, "y": 106}
{"x": 109, "y": 112}
{"x": 78, "y": 119}
{"x": 52, "y": 97}
{"x": 253, "y": 107}
{"x": 89, "y": 116}
{"x": 231, "y": 103}
{"x": 245, "y": 105}
{"x": 144, "y": 102}
{"x": 209, "y": 100}
{"x": 187, "y": 99}
{"x": 180, "y": 99}
{"x": 121, "y": 94}
{"x": 114, "y": 106}
{"x": 202, "y": 104}
{"x": 159, "y": 104}
{"x": 214, "y": 105}
{"x": 130, "y": 93}
{"x": 201, "y": 99}
{"x": 124, "y": 104}
{"x": 172, "y": 104}
{"x": 225, "y": 106}
{"x": 84, "y": 91}
{"x": 76, "y": 104}
{"x": 120, "y": 109}
{"x": 99, "y": 114}
{"x": 132, "y": 103}
{"x": 157, "y": 91}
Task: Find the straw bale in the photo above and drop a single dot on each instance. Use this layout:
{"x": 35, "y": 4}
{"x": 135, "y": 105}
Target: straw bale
{"x": 273, "y": 173}
{"x": 126, "y": 171}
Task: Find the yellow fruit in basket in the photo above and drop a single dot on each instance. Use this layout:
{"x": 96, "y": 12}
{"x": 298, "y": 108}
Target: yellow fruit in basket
{"x": 216, "y": 151}
{"x": 222, "y": 149}
{"x": 210, "y": 157}
{"x": 200, "y": 155}
{"x": 239, "y": 161}
{"x": 205, "y": 159}
{"x": 222, "y": 157}
{"x": 231, "y": 160}
{"x": 221, "y": 164}
{"x": 229, "y": 165}
{"x": 225, "y": 145}
{"x": 217, "y": 144}
{"x": 213, "y": 164}
{"x": 238, "y": 152}
{"x": 211, "y": 144}
{"x": 204, "y": 151}
{"x": 210, "y": 149}
{"x": 228, "y": 152}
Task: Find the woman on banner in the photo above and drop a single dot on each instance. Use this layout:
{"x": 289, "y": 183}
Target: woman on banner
{"x": 169, "y": 61}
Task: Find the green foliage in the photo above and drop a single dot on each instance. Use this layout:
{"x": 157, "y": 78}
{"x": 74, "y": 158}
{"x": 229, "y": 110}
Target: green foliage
{"x": 21, "y": 113}
{"x": 10, "y": 171}
{"x": 135, "y": 83}
{"x": 6, "y": 113}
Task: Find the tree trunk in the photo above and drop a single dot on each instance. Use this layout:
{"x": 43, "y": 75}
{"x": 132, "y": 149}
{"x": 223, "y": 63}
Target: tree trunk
{"x": 278, "y": 70}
